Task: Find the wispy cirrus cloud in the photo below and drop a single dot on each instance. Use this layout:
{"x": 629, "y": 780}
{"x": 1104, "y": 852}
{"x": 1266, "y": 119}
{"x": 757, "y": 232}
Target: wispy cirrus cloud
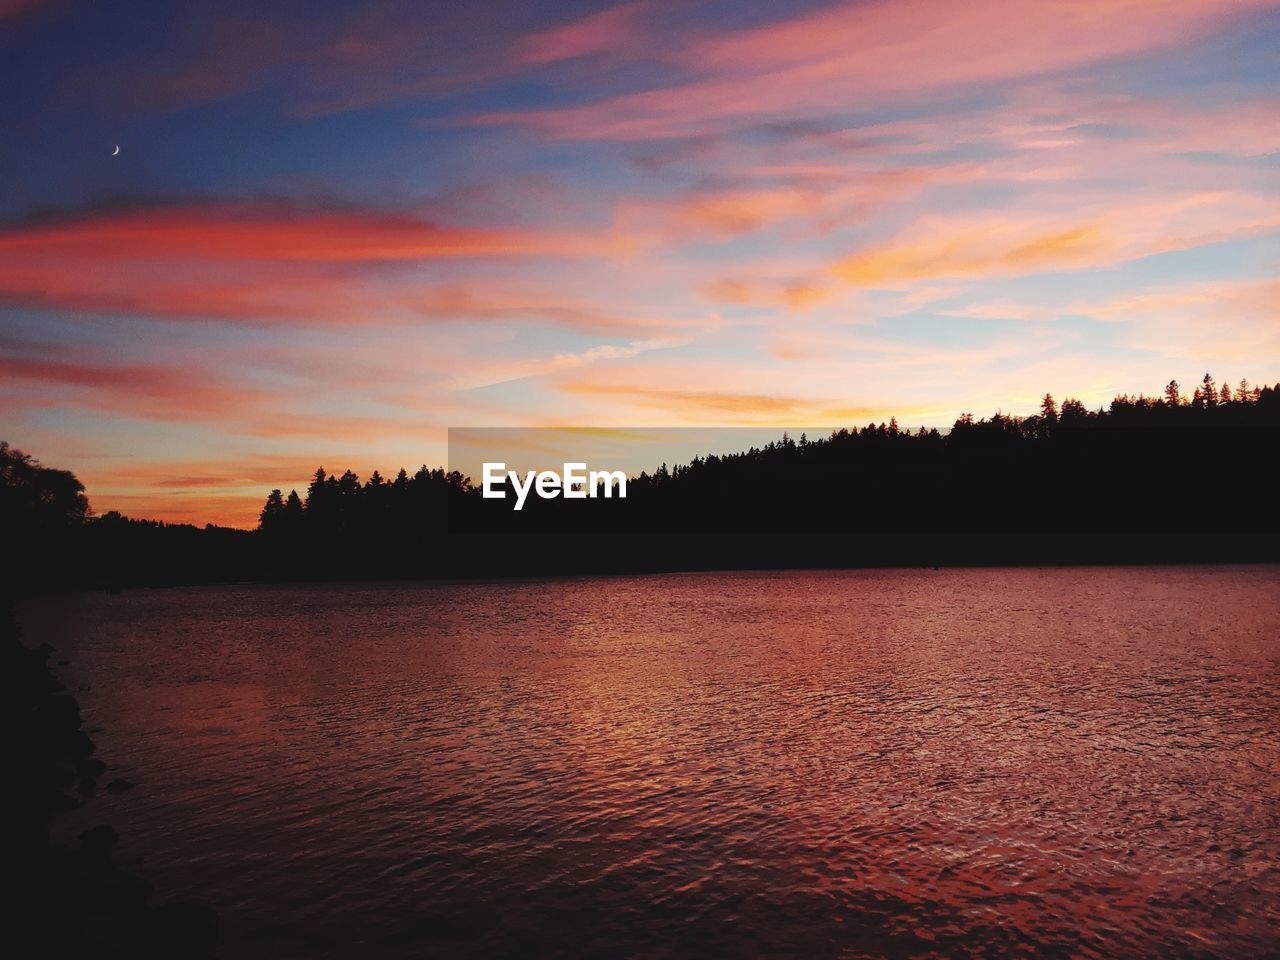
{"x": 489, "y": 374}
{"x": 362, "y": 56}
{"x": 936, "y": 247}
{"x": 795, "y": 293}
{"x": 727, "y": 408}
{"x": 1021, "y": 242}
{"x": 263, "y": 469}
{"x": 802, "y": 202}
{"x": 852, "y": 55}
{"x": 493, "y": 298}
{"x": 613, "y": 30}
{"x": 368, "y": 56}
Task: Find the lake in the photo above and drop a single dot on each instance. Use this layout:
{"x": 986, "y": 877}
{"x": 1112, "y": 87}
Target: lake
{"x": 994, "y": 762}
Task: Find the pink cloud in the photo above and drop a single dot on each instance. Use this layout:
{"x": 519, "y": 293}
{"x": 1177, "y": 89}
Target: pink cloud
{"x": 245, "y": 231}
{"x": 607, "y": 31}
{"x": 146, "y": 391}
{"x": 855, "y": 54}
{"x": 254, "y": 262}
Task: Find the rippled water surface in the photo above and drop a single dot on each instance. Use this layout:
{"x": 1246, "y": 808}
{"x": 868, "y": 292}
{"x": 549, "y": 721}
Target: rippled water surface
{"x": 906, "y": 763}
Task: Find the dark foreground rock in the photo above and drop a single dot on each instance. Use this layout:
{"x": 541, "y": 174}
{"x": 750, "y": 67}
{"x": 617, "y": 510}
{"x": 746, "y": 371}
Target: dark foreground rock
{"x": 66, "y": 901}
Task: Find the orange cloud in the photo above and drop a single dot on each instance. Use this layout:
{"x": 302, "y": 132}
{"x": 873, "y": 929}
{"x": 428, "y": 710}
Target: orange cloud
{"x": 1032, "y": 242}
{"x": 742, "y": 211}
{"x": 752, "y": 408}
{"x": 284, "y": 423}
{"x": 226, "y": 492}
{"x": 973, "y": 252}
{"x": 263, "y": 471}
{"x": 799, "y": 203}
{"x": 792, "y": 294}
{"x": 181, "y": 506}
{"x": 1017, "y": 243}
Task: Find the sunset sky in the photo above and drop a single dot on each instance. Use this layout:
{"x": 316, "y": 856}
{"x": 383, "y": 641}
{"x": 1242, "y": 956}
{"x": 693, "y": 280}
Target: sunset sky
{"x": 335, "y": 229}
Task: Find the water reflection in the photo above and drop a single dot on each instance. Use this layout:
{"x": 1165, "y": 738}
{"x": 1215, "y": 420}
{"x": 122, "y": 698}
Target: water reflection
{"x": 996, "y": 762}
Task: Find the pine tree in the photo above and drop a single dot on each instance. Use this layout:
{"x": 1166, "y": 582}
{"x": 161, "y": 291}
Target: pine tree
{"x": 349, "y": 485}
{"x": 1048, "y": 410}
{"x": 272, "y": 512}
{"x": 316, "y": 490}
{"x": 1209, "y": 392}
{"x": 1073, "y": 411}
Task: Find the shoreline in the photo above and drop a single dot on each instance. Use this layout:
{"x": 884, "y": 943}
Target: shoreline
{"x": 559, "y": 577}
{"x": 498, "y": 557}
{"x": 74, "y": 900}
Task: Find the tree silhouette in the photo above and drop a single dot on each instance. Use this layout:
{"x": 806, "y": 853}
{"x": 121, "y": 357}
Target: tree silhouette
{"x": 1089, "y": 473}
{"x": 1073, "y": 413}
{"x": 269, "y": 521}
{"x": 37, "y": 498}
{"x": 878, "y": 468}
{"x": 1208, "y": 392}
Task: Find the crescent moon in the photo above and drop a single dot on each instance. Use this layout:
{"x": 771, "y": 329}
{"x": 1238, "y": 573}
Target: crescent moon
{"x": 116, "y": 150}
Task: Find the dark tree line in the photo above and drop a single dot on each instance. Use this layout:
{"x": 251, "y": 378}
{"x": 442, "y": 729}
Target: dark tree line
{"x": 341, "y": 504}
{"x": 1129, "y": 468}
{"x": 1176, "y": 477}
